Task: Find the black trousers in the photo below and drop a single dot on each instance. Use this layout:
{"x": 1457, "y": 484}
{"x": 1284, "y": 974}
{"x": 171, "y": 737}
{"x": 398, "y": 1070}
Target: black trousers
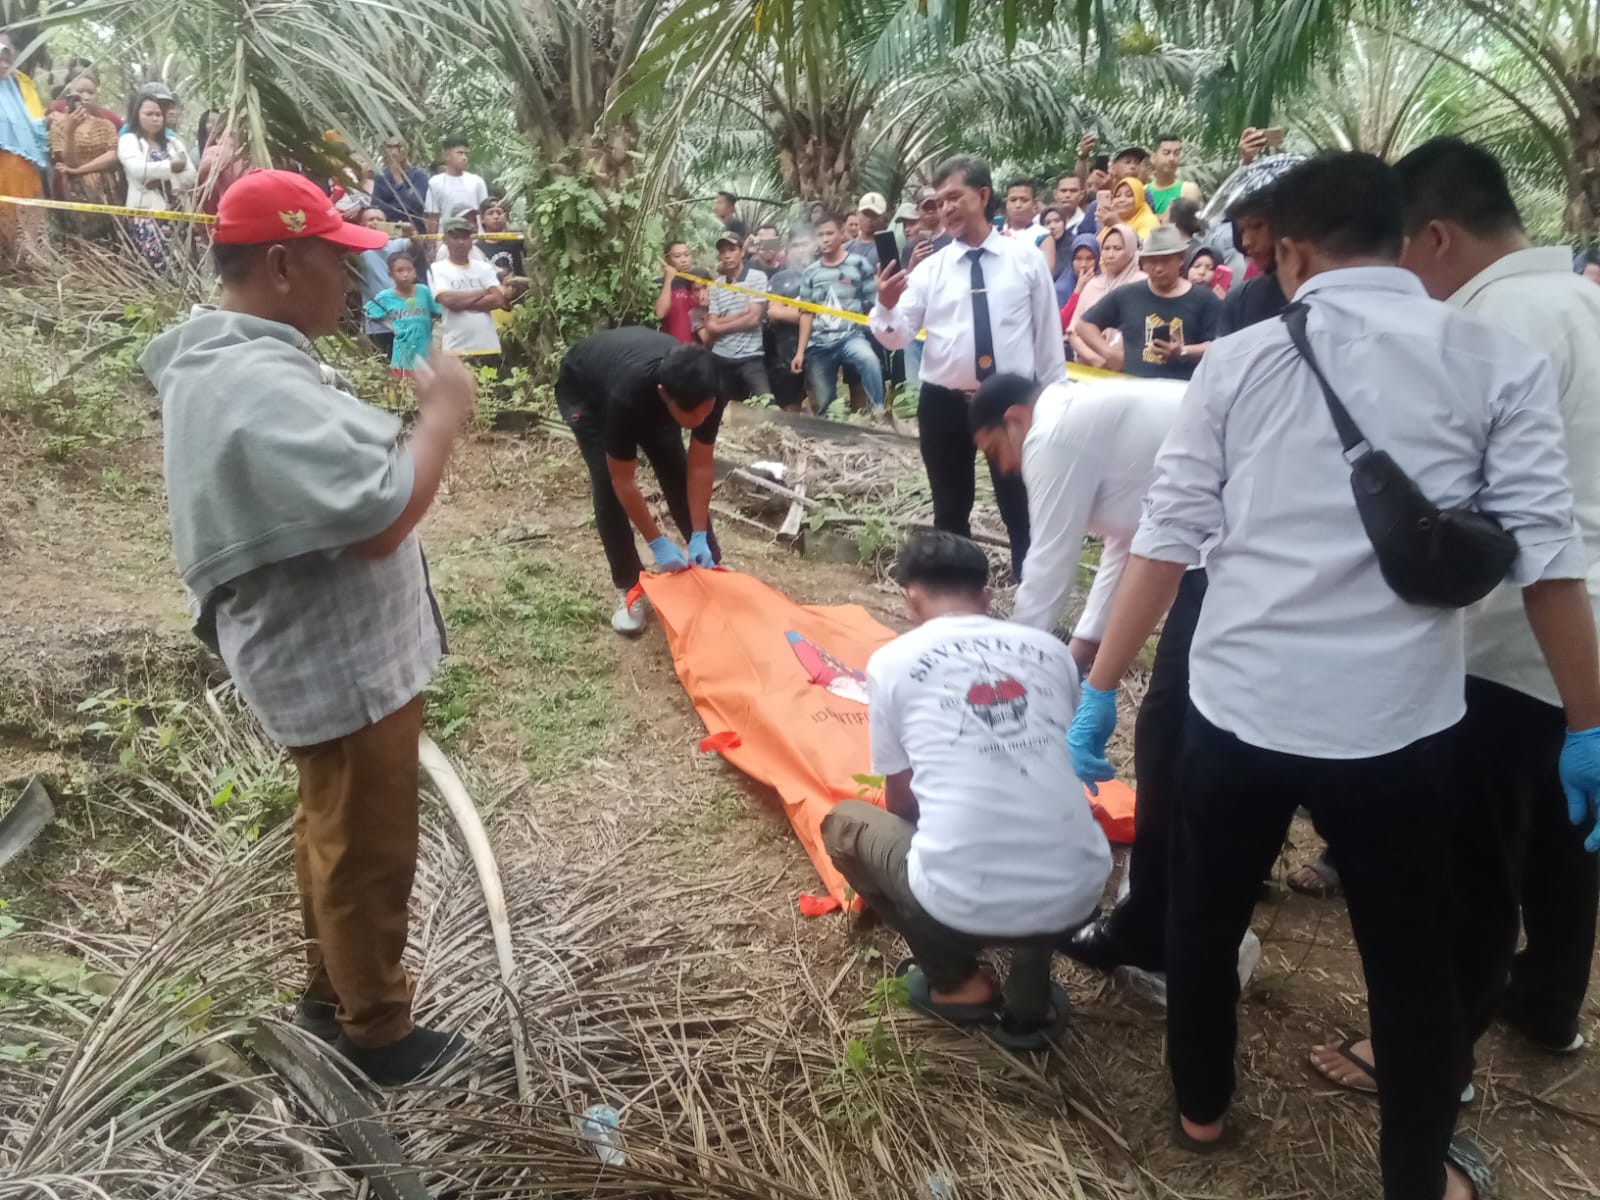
{"x": 662, "y": 445}
{"x": 1517, "y": 853}
{"x": 740, "y": 378}
{"x": 1385, "y": 817}
{"x": 1139, "y": 923}
{"x": 947, "y": 453}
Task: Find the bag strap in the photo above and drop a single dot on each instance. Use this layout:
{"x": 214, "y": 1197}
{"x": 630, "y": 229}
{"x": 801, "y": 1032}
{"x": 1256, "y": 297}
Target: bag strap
{"x": 1355, "y": 442}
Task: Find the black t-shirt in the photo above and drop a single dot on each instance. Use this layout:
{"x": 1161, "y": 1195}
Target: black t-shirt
{"x": 615, "y": 373}
{"x": 1138, "y": 312}
{"x": 1258, "y": 299}
{"x": 785, "y": 334}
{"x": 505, "y": 255}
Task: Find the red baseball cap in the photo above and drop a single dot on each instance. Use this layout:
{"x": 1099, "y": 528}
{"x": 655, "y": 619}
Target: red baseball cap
{"x": 280, "y": 206}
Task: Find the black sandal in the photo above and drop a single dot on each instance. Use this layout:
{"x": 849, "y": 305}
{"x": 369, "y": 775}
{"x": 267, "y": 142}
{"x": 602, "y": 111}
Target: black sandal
{"x": 1466, "y": 1156}
{"x": 1024, "y": 1039}
{"x": 1186, "y": 1141}
{"x": 920, "y": 996}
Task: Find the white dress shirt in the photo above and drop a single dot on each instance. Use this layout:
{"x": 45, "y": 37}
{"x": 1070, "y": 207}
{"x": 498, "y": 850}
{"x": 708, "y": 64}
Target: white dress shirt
{"x": 1534, "y": 294}
{"x": 1088, "y": 462}
{"x": 1302, "y": 647}
{"x": 1023, "y": 314}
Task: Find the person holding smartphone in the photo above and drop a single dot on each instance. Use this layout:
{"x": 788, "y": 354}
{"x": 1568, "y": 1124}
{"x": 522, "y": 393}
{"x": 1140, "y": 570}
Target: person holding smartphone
{"x": 1165, "y": 321}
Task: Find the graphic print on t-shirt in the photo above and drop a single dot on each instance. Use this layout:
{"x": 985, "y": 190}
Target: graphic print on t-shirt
{"x": 1002, "y": 693}
{"x": 826, "y": 671}
{"x": 1151, "y": 323}
{"x": 1002, "y": 705}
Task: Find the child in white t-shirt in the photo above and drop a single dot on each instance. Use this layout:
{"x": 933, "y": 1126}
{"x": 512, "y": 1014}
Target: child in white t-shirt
{"x": 988, "y": 838}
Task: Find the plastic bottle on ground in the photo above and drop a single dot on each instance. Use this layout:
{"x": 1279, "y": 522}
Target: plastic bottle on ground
{"x": 937, "y": 1187}
{"x": 602, "y": 1128}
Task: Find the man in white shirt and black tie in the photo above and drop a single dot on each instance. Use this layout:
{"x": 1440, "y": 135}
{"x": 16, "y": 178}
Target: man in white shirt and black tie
{"x": 1311, "y": 682}
{"x": 988, "y": 305}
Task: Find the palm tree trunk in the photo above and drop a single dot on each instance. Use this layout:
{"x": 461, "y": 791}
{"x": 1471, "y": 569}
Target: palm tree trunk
{"x": 1583, "y": 200}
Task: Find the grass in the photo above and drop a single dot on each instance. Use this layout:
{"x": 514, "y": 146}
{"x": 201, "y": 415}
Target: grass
{"x": 531, "y": 660}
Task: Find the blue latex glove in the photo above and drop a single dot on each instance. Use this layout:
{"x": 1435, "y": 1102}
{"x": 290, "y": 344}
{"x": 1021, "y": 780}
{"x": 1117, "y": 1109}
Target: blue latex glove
{"x": 668, "y": 557}
{"x": 1580, "y": 779}
{"x": 700, "y": 551}
{"x": 1092, "y": 726}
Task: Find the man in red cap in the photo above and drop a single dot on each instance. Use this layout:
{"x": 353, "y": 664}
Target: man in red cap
{"x": 293, "y": 509}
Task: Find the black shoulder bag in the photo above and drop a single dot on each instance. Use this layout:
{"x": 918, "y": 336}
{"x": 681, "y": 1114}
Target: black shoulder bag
{"x": 1444, "y": 558}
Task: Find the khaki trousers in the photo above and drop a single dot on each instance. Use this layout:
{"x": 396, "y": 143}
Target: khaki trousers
{"x": 355, "y": 856}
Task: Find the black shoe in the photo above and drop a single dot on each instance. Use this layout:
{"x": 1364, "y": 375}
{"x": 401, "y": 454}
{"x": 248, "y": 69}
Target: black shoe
{"x": 419, "y": 1053}
{"x": 1095, "y": 946}
{"x": 319, "y": 1018}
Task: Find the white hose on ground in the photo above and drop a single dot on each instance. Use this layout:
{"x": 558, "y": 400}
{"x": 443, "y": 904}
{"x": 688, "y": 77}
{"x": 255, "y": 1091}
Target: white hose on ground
{"x": 456, "y": 799}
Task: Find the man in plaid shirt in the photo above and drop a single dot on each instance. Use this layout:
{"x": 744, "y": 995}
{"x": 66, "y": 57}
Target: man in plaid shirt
{"x": 293, "y": 509}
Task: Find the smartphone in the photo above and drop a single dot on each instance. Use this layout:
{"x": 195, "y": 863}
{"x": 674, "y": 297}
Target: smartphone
{"x": 1161, "y": 332}
{"x": 1272, "y": 137}
{"x": 1223, "y": 278}
{"x": 888, "y": 248}
{"x": 74, "y": 102}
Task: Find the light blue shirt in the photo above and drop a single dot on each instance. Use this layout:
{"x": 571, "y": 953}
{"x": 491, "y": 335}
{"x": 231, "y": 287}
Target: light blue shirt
{"x": 21, "y": 133}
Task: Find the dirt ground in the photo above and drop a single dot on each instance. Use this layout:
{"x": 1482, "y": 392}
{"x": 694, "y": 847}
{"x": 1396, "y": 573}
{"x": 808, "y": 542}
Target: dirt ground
{"x": 583, "y": 747}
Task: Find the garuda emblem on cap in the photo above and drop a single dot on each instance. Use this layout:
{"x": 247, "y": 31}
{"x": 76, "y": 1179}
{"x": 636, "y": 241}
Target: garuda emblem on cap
{"x": 294, "y": 221}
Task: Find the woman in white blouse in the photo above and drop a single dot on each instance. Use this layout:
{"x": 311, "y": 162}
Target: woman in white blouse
{"x": 159, "y": 171}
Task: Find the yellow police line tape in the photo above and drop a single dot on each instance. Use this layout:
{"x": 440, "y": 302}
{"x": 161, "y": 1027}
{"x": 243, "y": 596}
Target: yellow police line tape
{"x": 1074, "y": 370}
{"x": 117, "y": 210}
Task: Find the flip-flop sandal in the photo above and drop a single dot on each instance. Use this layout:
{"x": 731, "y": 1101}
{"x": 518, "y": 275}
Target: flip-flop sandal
{"x": 1023, "y": 1039}
{"x": 1346, "y": 1051}
{"x": 920, "y": 996}
{"x": 1184, "y": 1141}
{"x": 1327, "y": 885}
{"x": 1465, "y": 1156}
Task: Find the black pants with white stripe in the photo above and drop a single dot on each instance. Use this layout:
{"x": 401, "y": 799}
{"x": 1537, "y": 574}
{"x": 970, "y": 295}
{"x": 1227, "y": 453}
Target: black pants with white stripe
{"x": 948, "y": 452}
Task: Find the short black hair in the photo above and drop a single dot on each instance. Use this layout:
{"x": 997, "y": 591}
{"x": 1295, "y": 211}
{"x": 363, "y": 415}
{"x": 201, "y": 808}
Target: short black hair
{"x": 1184, "y": 215}
{"x": 769, "y": 225}
{"x": 1344, "y": 202}
{"x": 974, "y": 173}
{"x": 997, "y": 394}
{"x": 1163, "y": 138}
{"x": 827, "y": 215}
{"x": 1448, "y": 179}
{"x": 454, "y": 140}
{"x": 1019, "y": 181}
{"x": 1100, "y": 162}
{"x": 1068, "y": 175}
{"x": 1257, "y": 203}
{"x": 676, "y": 242}
{"x": 689, "y": 375}
{"x": 1136, "y": 154}
{"x": 941, "y": 561}
{"x": 728, "y": 196}
{"x": 233, "y": 261}
{"x": 399, "y": 254}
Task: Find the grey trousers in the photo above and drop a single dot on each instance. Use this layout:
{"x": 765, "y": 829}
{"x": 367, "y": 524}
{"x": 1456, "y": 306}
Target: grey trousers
{"x": 869, "y": 847}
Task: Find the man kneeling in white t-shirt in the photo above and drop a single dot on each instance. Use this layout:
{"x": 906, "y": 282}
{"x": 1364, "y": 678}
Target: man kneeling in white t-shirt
{"x": 988, "y": 839}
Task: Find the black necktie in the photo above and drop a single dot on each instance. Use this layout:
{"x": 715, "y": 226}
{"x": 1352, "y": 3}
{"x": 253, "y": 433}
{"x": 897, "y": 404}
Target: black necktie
{"x": 982, "y": 335}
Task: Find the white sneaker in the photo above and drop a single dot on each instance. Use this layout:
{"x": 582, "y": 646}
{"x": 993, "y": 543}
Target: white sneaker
{"x": 629, "y": 619}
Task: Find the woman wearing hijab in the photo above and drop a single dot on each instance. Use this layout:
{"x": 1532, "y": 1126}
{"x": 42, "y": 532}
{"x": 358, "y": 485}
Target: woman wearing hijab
{"x": 24, "y": 153}
{"x": 1131, "y": 208}
{"x": 1119, "y": 266}
{"x": 1083, "y": 264}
